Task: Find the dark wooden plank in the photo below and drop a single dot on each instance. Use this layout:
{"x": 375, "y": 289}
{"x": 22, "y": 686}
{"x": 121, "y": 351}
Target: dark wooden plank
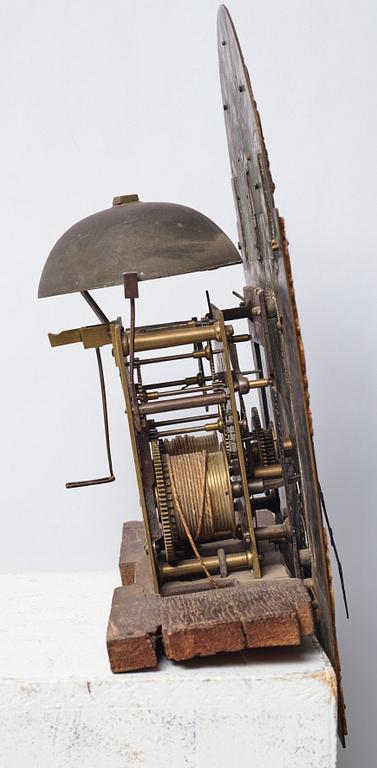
{"x": 185, "y": 588}
{"x": 200, "y": 624}
{"x": 249, "y": 615}
{"x": 255, "y": 615}
{"x": 133, "y": 561}
{"x": 132, "y": 629}
{"x": 275, "y": 613}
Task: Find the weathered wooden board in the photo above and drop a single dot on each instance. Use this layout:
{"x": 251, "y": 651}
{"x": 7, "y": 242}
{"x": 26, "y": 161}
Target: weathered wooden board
{"x": 132, "y": 629}
{"x": 134, "y": 619}
{"x": 133, "y": 561}
{"x": 257, "y": 614}
{"x": 260, "y": 614}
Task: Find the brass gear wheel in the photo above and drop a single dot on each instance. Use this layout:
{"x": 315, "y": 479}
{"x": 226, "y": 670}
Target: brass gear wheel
{"x": 265, "y": 440}
{"x": 162, "y": 479}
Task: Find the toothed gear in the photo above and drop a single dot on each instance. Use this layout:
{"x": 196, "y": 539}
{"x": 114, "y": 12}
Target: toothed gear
{"x": 264, "y": 439}
{"x": 169, "y": 498}
{"x": 270, "y": 445}
{"x": 162, "y": 499}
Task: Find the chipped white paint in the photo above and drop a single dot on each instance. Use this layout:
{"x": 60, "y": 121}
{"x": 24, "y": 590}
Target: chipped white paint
{"x": 62, "y": 707}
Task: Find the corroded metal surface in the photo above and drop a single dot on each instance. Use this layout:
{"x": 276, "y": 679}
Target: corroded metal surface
{"x": 268, "y": 274}
{"x": 152, "y": 239}
{"x": 201, "y": 508}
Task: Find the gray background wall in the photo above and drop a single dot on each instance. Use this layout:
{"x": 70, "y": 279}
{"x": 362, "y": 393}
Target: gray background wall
{"x": 102, "y": 98}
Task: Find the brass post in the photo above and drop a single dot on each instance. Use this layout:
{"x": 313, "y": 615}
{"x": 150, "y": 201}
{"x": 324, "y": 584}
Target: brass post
{"x": 187, "y": 568}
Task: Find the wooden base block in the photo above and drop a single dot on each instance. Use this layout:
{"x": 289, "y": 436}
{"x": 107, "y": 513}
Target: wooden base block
{"x": 255, "y": 614}
{"x": 134, "y": 564}
{"x": 132, "y": 629}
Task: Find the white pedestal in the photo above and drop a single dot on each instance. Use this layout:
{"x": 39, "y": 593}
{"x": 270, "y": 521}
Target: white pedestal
{"x": 62, "y": 707}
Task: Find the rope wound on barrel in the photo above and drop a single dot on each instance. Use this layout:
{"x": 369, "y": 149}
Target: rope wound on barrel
{"x": 186, "y": 483}
{"x": 192, "y": 444}
{"x": 192, "y": 472}
{"x": 190, "y": 494}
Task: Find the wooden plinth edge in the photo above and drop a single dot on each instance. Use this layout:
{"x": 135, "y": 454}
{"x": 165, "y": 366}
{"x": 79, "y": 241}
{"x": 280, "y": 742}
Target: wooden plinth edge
{"x": 259, "y": 614}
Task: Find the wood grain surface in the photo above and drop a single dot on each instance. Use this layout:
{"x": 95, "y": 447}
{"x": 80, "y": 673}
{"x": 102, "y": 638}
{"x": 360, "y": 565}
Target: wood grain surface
{"x": 133, "y": 560}
{"x": 256, "y": 614}
{"x": 132, "y": 629}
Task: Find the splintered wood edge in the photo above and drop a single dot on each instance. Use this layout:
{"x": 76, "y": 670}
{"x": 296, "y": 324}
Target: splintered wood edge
{"x": 132, "y": 630}
{"x": 132, "y": 551}
{"x": 255, "y": 615}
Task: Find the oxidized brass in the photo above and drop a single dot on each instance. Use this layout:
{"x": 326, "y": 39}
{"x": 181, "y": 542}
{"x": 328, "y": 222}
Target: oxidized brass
{"x": 116, "y": 336}
{"x": 224, "y": 473}
{"x": 238, "y": 445}
{"x": 269, "y": 292}
{"x": 178, "y": 404}
{"x": 99, "y": 335}
{"x": 266, "y": 473}
{"x": 152, "y": 239}
{"x": 188, "y": 568}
